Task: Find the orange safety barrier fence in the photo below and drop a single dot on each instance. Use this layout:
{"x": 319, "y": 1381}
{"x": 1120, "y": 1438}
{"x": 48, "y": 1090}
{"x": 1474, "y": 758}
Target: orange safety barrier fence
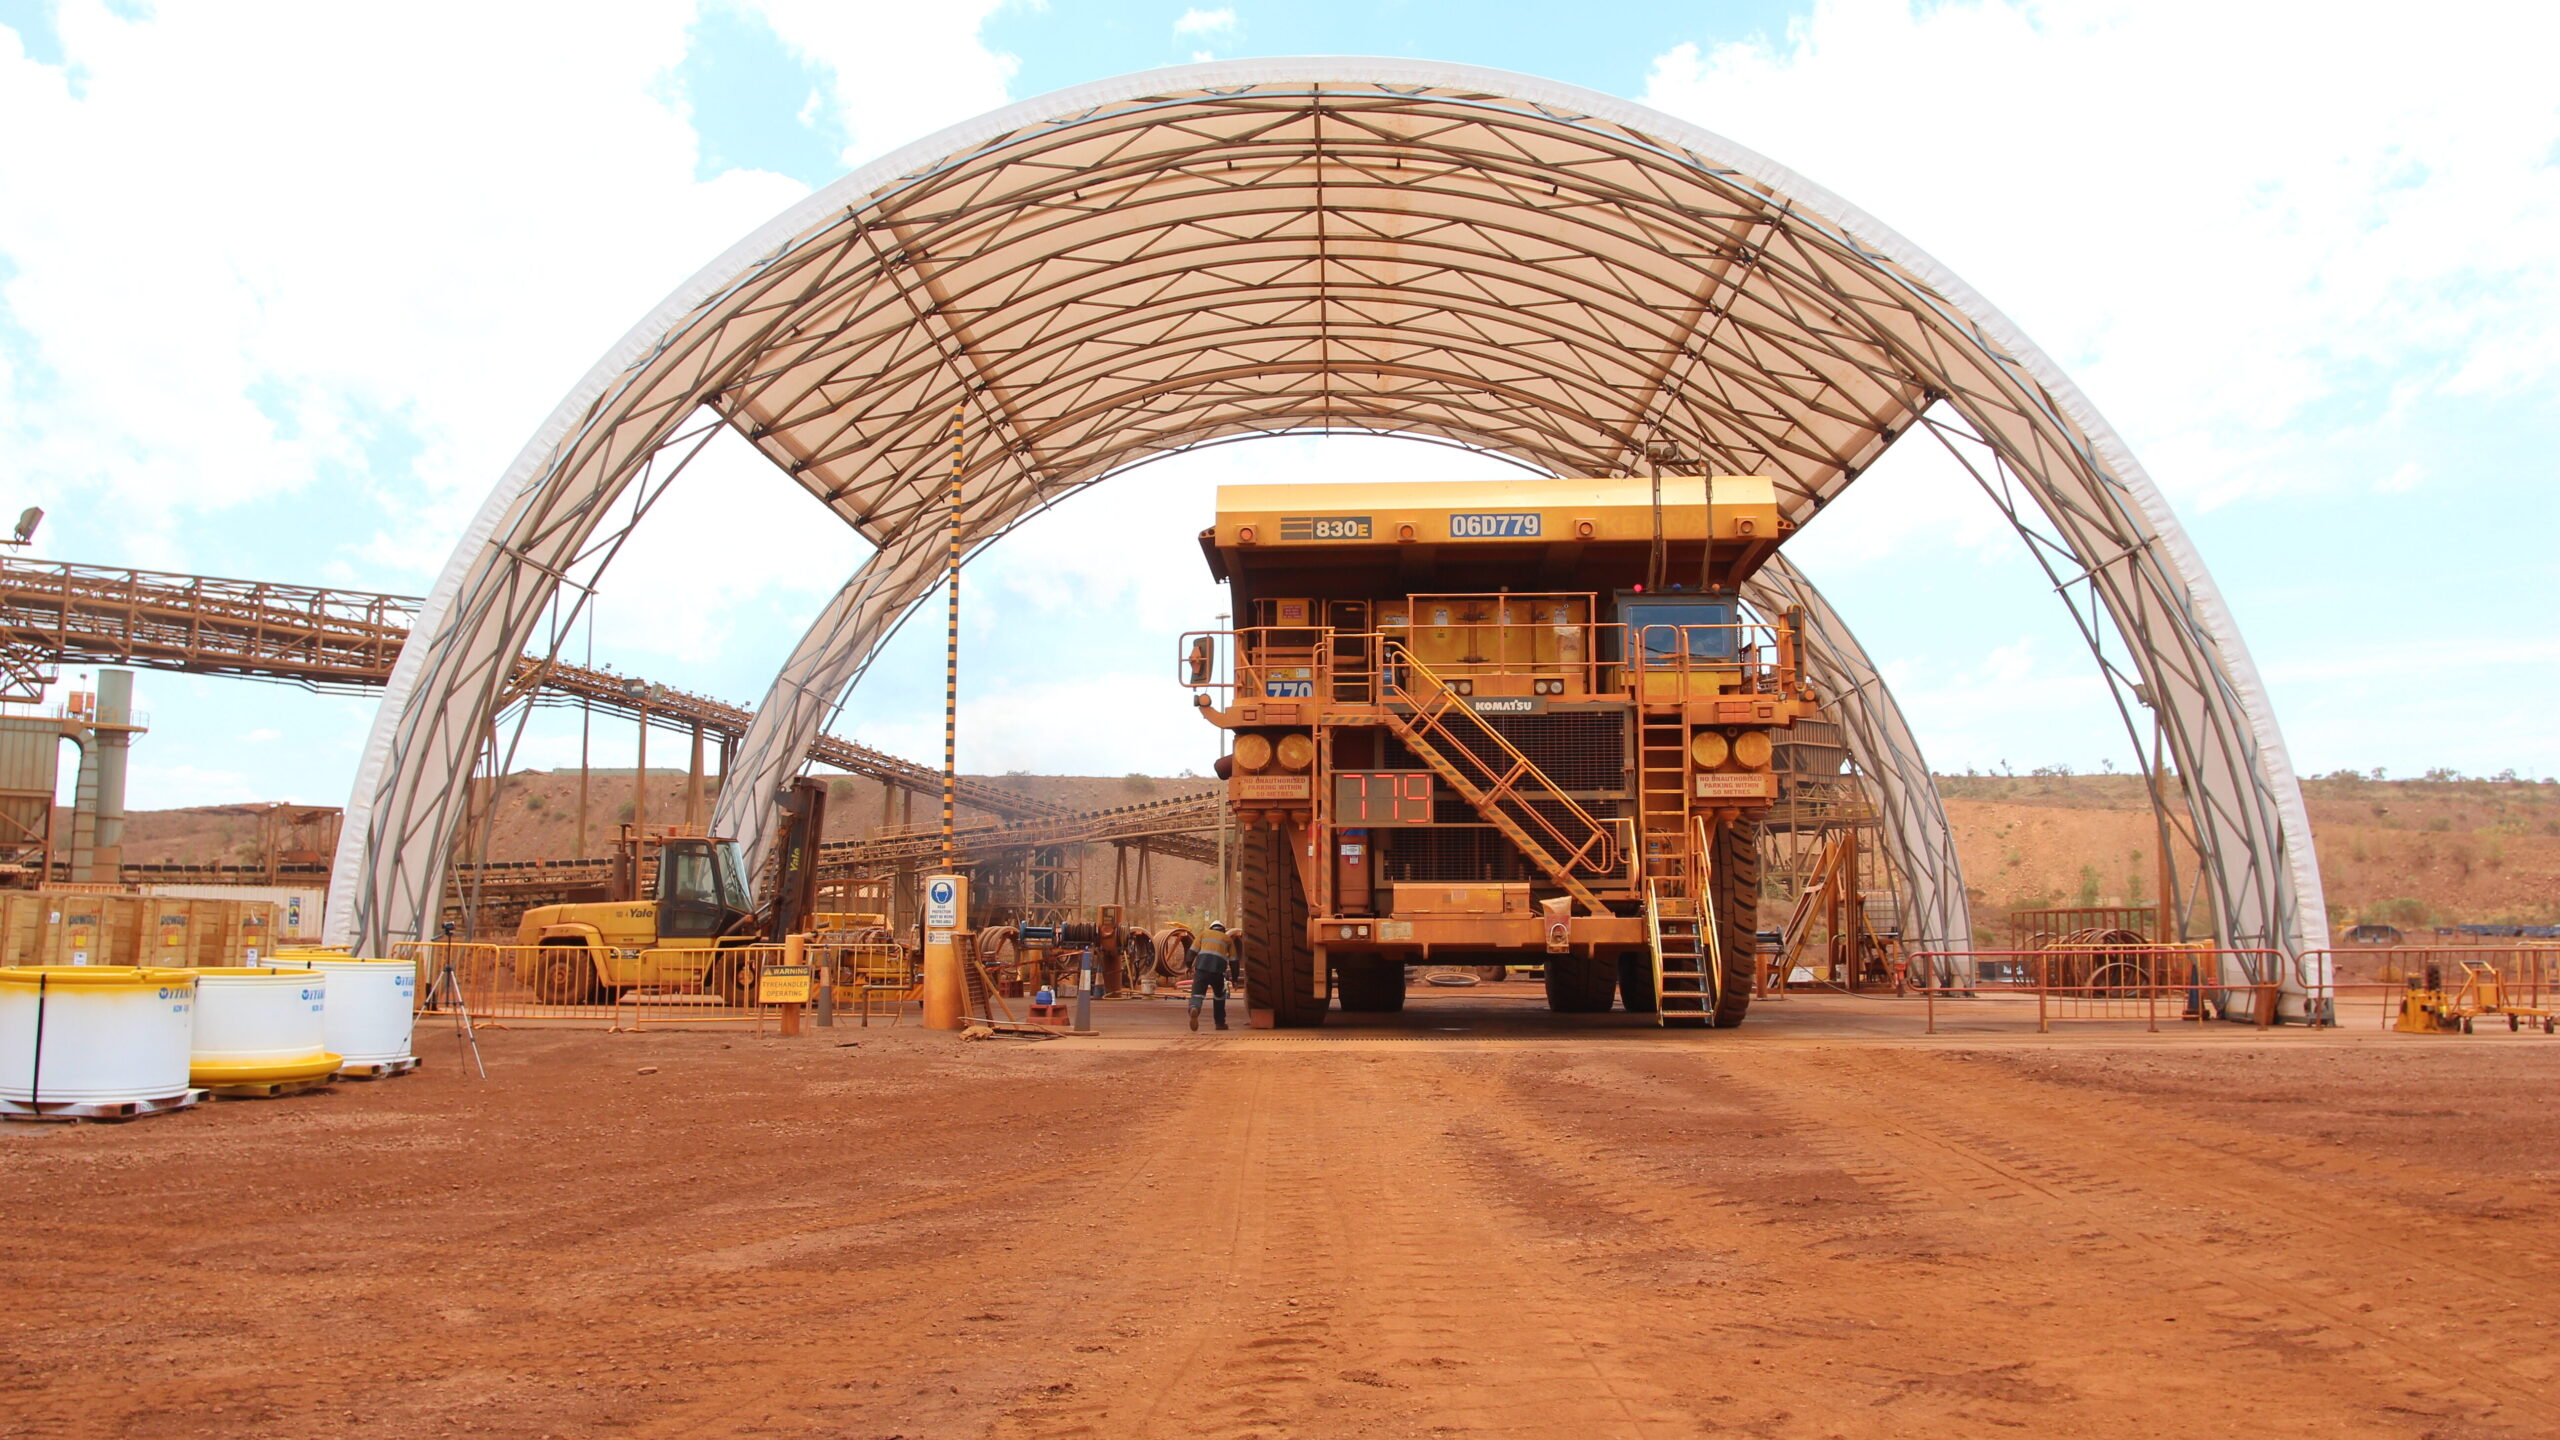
{"x": 2148, "y": 983}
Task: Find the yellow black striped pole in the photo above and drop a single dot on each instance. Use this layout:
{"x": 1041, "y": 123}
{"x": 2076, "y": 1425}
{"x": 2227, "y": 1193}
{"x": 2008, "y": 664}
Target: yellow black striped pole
{"x": 951, "y": 651}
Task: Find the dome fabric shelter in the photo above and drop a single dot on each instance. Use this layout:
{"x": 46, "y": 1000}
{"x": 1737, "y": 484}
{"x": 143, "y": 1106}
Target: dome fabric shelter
{"x": 1113, "y": 273}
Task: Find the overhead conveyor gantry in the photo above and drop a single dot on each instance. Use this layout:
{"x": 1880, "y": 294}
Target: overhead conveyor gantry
{"x": 326, "y": 638}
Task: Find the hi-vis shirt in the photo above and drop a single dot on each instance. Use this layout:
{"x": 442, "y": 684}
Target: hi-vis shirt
{"x": 1210, "y": 955}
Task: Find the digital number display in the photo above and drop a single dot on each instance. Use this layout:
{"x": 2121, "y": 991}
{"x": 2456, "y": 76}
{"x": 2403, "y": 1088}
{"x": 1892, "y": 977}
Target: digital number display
{"x": 1382, "y": 797}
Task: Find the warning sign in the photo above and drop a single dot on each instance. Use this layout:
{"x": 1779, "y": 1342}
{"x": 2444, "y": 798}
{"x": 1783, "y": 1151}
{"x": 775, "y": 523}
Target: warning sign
{"x": 783, "y": 985}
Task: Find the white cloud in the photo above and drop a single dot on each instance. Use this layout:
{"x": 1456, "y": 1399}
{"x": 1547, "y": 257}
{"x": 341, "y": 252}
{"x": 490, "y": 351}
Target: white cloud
{"x": 256, "y": 240}
{"x": 1968, "y": 718}
{"x": 2221, "y": 219}
{"x": 1090, "y": 723}
{"x": 2408, "y": 477}
{"x": 1195, "y": 21}
{"x": 733, "y": 542}
{"x": 1919, "y": 494}
{"x": 901, "y": 71}
{"x": 352, "y": 256}
{"x": 179, "y": 786}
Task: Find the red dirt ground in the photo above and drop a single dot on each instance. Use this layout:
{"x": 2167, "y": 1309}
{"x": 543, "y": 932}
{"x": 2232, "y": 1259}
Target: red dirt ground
{"x": 1471, "y": 1220}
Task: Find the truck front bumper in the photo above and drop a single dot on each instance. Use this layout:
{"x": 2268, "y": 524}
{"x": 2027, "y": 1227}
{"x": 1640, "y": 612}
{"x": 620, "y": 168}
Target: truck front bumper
{"x": 1419, "y": 936}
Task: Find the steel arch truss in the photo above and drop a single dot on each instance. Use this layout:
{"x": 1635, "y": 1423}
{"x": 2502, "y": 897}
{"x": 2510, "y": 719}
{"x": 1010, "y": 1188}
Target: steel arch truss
{"x": 1151, "y": 263}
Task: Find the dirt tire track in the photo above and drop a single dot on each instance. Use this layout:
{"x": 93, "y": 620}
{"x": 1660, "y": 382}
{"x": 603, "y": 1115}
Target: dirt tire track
{"x": 1375, "y": 1288}
{"x": 1970, "y": 1174}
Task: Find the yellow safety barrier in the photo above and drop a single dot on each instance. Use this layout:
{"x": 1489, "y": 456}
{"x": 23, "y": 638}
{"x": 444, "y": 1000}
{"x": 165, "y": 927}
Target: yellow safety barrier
{"x": 585, "y": 985}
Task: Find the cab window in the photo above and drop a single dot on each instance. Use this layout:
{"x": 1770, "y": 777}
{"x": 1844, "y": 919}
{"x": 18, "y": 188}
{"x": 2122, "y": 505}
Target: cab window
{"x": 733, "y": 879}
{"x": 1662, "y": 625}
{"x": 686, "y": 876}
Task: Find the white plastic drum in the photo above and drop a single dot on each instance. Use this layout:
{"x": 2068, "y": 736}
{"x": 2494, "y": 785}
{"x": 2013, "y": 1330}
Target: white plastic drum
{"x": 372, "y": 1004}
{"x": 256, "y": 1025}
{"x": 93, "y": 1035}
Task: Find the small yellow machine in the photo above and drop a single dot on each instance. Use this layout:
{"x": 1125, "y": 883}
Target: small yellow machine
{"x": 1499, "y": 723}
{"x": 2426, "y": 1009}
{"x": 692, "y": 931}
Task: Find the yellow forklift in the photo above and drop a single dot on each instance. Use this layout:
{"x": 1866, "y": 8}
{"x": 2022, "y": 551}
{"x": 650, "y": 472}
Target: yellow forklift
{"x": 692, "y": 929}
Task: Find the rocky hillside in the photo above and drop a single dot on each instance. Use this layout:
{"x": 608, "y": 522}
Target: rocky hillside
{"x": 2438, "y": 851}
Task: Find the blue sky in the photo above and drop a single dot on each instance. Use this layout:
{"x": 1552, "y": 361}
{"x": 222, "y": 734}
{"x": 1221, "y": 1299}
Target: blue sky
{"x": 285, "y": 288}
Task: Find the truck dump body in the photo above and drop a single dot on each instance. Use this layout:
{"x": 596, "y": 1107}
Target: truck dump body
{"x": 1498, "y": 722}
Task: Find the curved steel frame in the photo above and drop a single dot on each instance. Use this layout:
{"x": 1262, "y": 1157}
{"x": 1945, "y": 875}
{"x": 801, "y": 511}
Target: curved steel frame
{"x": 1914, "y": 830}
{"x": 1267, "y": 246}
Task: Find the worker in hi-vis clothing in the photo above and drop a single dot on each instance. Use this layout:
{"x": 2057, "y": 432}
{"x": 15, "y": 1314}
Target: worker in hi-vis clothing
{"x": 1209, "y": 960}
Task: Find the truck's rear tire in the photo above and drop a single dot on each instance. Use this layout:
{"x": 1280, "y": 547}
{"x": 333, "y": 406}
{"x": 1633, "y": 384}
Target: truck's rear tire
{"x": 1370, "y": 984}
{"x": 1581, "y": 984}
{"x": 1737, "y": 890}
{"x": 1635, "y": 982}
{"x": 565, "y": 974}
{"x": 1279, "y": 959}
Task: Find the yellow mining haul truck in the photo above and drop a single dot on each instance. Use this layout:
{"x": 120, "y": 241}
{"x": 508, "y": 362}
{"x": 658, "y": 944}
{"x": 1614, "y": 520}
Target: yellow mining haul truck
{"x": 682, "y": 917}
{"x": 1508, "y": 722}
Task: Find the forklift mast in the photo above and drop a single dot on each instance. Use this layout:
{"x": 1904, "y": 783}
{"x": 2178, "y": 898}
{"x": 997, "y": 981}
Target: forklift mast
{"x": 804, "y": 825}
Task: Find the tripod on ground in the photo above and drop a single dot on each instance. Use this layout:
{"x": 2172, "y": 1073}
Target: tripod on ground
{"x": 447, "y": 986}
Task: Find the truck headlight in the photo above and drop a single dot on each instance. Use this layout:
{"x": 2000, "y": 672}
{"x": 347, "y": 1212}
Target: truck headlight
{"x": 1751, "y": 747}
{"x": 1708, "y": 748}
{"x": 1296, "y": 751}
{"x": 1252, "y": 751}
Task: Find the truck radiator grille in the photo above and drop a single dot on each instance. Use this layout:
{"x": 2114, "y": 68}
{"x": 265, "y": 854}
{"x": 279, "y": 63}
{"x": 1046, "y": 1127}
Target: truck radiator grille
{"x": 1452, "y": 854}
{"x": 1580, "y": 750}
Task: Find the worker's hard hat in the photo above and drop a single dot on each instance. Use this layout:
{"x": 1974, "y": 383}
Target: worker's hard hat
{"x": 1218, "y": 925}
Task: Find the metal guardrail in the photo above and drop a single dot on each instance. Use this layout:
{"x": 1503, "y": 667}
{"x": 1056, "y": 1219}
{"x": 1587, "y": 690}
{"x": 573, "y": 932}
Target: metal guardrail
{"x": 2117, "y": 982}
{"x": 1321, "y": 662}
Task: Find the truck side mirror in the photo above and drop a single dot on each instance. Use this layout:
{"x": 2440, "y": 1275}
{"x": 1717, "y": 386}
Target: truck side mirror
{"x": 1203, "y": 656}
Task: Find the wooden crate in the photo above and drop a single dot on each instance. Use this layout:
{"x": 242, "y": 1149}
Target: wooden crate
{"x": 22, "y": 915}
{"x": 168, "y": 932}
{"x": 88, "y": 929}
{"x": 235, "y": 932}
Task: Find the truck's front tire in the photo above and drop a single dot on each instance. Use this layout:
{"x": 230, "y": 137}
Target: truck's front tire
{"x": 1279, "y": 959}
{"x": 1737, "y": 891}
